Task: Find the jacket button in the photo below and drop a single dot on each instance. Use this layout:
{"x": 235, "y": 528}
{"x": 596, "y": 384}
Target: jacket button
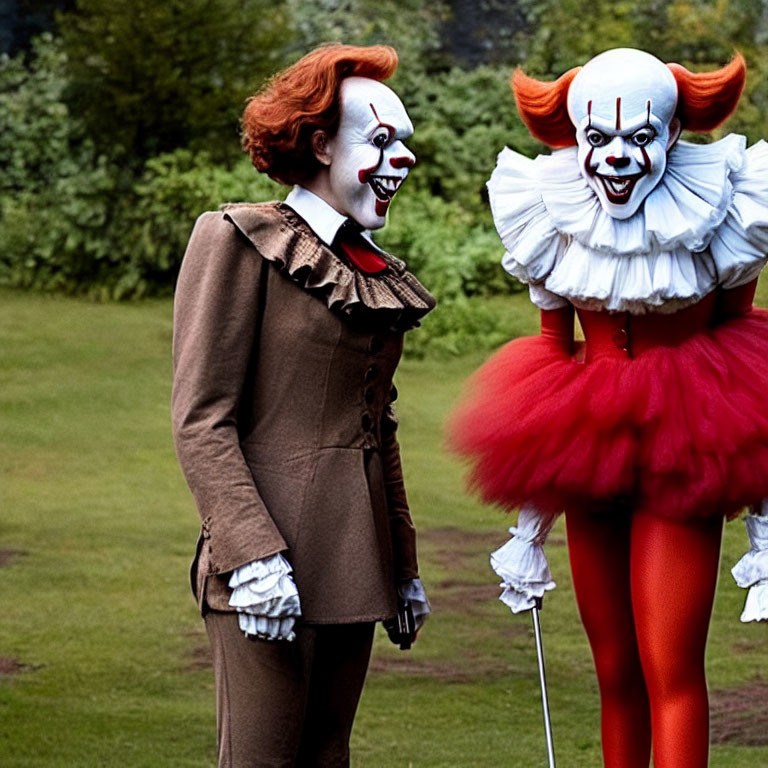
{"x": 371, "y": 373}
{"x": 369, "y": 395}
{"x": 620, "y": 338}
{"x": 366, "y": 422}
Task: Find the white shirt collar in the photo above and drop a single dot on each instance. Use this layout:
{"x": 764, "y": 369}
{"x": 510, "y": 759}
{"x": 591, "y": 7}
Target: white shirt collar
{"x": 323, "y": 218}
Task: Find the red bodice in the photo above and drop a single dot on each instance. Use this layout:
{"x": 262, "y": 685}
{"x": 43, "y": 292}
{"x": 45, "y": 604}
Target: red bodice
{"x": 624, "y": 335}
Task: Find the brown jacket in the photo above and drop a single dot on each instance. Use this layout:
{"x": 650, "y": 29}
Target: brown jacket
{"x": 282, "y": 418}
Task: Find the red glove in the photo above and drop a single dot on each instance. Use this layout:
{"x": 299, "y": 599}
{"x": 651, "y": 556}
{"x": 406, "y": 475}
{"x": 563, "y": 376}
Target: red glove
{"x": 557, "y": 324}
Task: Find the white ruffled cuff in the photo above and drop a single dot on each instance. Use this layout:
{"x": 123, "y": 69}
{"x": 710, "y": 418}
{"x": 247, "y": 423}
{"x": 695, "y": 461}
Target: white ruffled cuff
{"x": 521, "y": 563}
{"x": 265, "y": 588}
{"x": 751, "y": 572}
{"x": 756, "y": 604}
{"x": 413, "y": 590}
{"x": 266, "y": 628}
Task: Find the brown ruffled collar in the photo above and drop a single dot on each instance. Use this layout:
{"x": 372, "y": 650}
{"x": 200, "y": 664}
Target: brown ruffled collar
{"x": 393, "y": 297}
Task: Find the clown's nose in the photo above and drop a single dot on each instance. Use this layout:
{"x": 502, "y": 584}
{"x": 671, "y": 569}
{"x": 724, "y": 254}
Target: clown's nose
{"x": 617, "y": 162}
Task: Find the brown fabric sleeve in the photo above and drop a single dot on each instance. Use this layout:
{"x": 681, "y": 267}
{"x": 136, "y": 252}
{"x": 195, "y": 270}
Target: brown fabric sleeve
{"x": 401, "y": 525}
{"x": 216, "y": 318}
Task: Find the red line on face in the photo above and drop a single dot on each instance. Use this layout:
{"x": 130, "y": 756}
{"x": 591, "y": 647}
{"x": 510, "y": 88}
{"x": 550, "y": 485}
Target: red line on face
{"x": 648, "y": 111}
{"x": 646, "y": 159}
{"x": 402, "y": 162}
{"x": 389, "y": 128}
{"x": 363, "y": 175}
{"x": 618, "y": 113}
{"x": 589, "y": 113}
{"x": 588, "y": 167}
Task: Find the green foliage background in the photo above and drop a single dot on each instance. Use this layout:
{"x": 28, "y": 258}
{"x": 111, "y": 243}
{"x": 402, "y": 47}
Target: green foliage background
{"x": 114, "y": 135}
{"x": 117, "y": 132}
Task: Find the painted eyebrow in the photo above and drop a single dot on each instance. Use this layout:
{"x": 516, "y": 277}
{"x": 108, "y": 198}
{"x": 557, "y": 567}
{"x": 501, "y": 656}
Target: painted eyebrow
{"x": 629, "y": 132}
{"x": 389, "y": 128}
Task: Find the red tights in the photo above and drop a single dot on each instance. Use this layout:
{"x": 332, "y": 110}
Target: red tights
{"x": 644, "y": 586}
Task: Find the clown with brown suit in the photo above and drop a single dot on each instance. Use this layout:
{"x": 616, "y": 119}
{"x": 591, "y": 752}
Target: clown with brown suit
{"x": 288, "y": 329}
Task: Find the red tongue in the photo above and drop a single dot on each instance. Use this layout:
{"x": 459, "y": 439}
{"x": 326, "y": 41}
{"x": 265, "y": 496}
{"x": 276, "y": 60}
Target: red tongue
{"x": 364, "y": 259}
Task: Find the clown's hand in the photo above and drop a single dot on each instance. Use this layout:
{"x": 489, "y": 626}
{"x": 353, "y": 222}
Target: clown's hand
{"x": 751, "y": 572}
{"x": 521, "y": 563}
{"x": 266, "y": 599}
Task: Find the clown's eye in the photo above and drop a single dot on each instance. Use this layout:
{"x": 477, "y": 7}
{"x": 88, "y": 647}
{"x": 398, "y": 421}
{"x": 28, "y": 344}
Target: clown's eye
{"x": 643, "y": 137}
{"x": 380, "y": 140}
{"x": 595, "y": 138}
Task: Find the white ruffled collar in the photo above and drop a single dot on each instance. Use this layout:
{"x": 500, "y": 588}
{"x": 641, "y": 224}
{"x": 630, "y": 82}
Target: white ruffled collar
{"x": 706, "y": 223}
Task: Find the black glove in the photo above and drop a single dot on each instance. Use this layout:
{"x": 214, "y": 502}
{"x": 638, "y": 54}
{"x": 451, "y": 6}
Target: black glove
{"x": 402, "y": 629}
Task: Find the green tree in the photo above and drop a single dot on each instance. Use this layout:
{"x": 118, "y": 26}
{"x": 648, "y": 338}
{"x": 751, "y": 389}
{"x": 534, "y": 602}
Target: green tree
{"x": 700, "y": 34}
{"x": 37, "y": 134}
{"x": 411, "y": 26}
{"x": 463, "y": 119}
{"x": 148, "y": 77}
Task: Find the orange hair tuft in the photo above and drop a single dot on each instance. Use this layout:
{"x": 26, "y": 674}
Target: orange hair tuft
{"x": 280, "y": 119}
{"x": 543, "y": 107}
{"x": 707, "y": 99}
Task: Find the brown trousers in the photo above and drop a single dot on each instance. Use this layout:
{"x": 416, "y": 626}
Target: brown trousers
{"x": 287, "y": 704}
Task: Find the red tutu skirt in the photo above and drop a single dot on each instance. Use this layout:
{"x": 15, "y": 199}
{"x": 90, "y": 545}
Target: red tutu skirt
{"x": 678, "y": 428}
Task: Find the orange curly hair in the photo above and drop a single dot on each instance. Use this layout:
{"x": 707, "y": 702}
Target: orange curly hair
{"x": 543, "y": 107}
{"x": 705, "y": 100}
{"x": 280, "y": 119}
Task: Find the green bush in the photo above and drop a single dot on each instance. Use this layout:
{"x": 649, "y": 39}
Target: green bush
{"x": 459, "y": 326}
{"x": 454, "y": 251}
{"x": 173, "y": 191}
{"x": 463, "y": 119}
{"x": 87, "y": 235}
{"x": 57, "y": 194}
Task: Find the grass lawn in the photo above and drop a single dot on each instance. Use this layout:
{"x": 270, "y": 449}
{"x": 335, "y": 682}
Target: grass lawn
{"x": 103, "y": 658}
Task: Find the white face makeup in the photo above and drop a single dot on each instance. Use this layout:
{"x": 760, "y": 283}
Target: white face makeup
{"x": 622, "y": 103}
{"x": 369, "y": 160}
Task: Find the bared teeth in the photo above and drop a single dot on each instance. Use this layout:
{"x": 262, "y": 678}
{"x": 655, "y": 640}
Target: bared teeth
{"x": 385, "y": 186}
{"x": 619, "y": 188}
{"x": 618, "y": 185}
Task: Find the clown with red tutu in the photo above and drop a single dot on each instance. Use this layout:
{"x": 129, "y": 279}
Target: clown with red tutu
{"x": 654, "y": 429}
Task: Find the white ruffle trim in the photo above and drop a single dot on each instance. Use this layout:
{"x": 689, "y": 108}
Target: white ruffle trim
{"x": 756, "y": 604}
{"x": 265, "y": 596}
{"x": 267, "y": 629}
{"x": 740, "y": 245}
{"x": 705, "y": 224}
{"x": 751, "y": 572}
{"x": 521, "y": 563}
